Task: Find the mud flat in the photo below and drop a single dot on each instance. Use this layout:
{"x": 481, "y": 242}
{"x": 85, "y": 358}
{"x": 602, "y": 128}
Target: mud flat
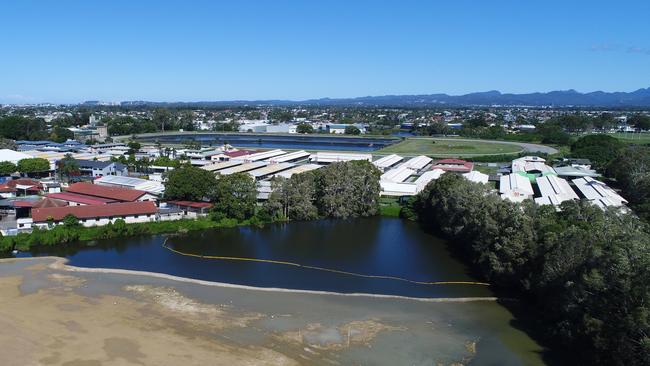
{"x": 53, "y": 314}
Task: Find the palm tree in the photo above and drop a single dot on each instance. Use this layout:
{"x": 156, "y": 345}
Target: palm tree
{"x": 68, "y": 167}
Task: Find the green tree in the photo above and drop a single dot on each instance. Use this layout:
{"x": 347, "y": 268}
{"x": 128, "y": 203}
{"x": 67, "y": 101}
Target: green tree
{"x": 61, "y": 134}
{"x": 7, "y": 168}
{"x": 640, "y": 121}
{"x": 189, "y": 183}
{"x": 162, "y": 119}
{"x": 304, "y": 128}
{"x": 21, "y": 128}
{"x": 68, "y": 167}
{"x": 631, "y": 169}
{"x": 294, "y": 198}
{"x": 134, "y": 147}
{"x": 33, "y": 165}
{"x": 582, "y": 271}
{"x": 348, "y": 189}
{"x": 70, "y": 221}
{"x": 352, "y": 130}
{"x": 600, "y": 149}
{"x": 234, "y": 196}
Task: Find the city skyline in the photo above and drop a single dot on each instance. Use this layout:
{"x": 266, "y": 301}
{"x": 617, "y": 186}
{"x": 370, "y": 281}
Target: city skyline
{"x": 170, "y": 51}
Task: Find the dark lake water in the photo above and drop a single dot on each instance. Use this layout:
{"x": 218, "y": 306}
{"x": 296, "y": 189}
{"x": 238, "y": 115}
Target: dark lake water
{"x": 372, "y": 246}
{"x": 267, "y": 141}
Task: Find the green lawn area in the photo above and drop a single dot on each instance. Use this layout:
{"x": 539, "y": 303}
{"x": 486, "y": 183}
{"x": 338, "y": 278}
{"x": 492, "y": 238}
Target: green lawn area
{"x": 633, "y": 138}
{"x": 448, "y": 148}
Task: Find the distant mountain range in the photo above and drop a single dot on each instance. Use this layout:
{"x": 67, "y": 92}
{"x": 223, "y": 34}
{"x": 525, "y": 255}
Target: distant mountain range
{"x": 562, "y": 98}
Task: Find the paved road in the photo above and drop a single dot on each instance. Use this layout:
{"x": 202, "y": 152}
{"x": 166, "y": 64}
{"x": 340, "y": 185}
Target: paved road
{"x": 525, "y": 145}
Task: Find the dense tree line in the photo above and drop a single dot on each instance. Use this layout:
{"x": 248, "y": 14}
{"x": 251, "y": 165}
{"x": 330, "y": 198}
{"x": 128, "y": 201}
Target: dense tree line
{"x": 584, "y": 272}
{"x": 600, "y": 149}
{"x": 339, "y": 190}
{"x": 631, "y": 169}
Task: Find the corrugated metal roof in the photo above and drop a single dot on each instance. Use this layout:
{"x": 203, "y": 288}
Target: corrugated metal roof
{"x": 595, "y": 190}
{"x": 556, "y": 190}
{"x": 296, "y": 155}
{"x": 418, "y": 162}
{"x": 515, "y": 183}
{"x": 263, "y": 155}
{"x": 332, "y": 157}
{"x": 242, "y": 168}
{"x": 297, "y": 170}
{"x": 269, "y": 169}
{"x": 477, "y": 177}
{"x": 221, "y": 165}
{"x": 399, "y": 174}
{"x": 387, "y": 161}
{"x": 86, "y": 212}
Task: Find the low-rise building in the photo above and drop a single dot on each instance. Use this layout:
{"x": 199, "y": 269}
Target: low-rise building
{"x": 96, "y": 215}
{"x": 94, "y": 168}
{"x": 191, "y": 209}
{"x": 85, "y": 193}
{"x": 454, "y": 165}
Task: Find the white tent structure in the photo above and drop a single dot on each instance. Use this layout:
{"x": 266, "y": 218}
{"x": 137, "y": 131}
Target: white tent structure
{"x": 476, "y": 177}
{"x": 598, "y": 192}
{"x": 554, "y": 190}
{"x": 515, "y": 187}
{"x": 387, "y": 161}
{"x": 418, "y": 163}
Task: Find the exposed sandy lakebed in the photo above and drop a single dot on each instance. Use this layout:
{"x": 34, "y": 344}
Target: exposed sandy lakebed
{"x": 53, "y": 314}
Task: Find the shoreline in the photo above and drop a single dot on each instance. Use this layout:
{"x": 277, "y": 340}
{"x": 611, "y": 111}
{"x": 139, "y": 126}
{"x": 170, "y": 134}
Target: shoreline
{"x": 60, "y": 263}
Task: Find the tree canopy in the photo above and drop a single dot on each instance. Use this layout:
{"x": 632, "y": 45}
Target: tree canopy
{"x": 7, "y": 168}
{"x": 600, "y": 149}
{"x": 234, "y": 196}
{"x": 352, "y": 130}
{"x": 189, "y": 183}
{"x": 348, "y": 189}
{"x": 584, "y": 272}
{"x": 22, "y": 128}
{"x": 640, "y": 122}
{"x": 304, "y": 128}
{"x": 68, "y": 166}
{"x": 33, "y": 165}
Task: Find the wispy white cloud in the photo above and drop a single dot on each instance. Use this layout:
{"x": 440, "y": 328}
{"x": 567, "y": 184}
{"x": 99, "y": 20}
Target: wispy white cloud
{"x": 605, "y": 47}
{"x": 641, "y": 50}
{"x": 617, "y": 47}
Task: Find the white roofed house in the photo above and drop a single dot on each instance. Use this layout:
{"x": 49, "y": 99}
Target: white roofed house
{"x": 269, "y": 170}
{"x": 145, "y": 185}
{"x": 477, "y": 177}
{"x": 387, "y": 162}
{"x": 291, "y": 157}
{"x": 297, "y": 170}
{"x": 265, "y": 155}
{"x": 399, "y": 174}
{"x": 322, "y": 157}
{"x": 515, "y": 187}
{"x": 242, "y": 168}
{"x": 427, "y": 177}
{"x": 13, "y": 156}
{"x": 418, "y": 163}
{"x": 599, "y": 193}
{"x": 554, "y": 190}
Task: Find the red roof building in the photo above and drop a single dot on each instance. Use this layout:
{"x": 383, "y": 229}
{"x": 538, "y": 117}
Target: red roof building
{"x": 454, "y": 165}
{"x": 116, "y": 210}
{"x": 116, "y": 194}
{"x": 26, "y": 185}
{"x": 80, "y": 199}
{"x": 238, "y": 153}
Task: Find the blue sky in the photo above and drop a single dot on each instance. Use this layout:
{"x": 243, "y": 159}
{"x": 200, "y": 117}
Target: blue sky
{"x": 70, "y": 51}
